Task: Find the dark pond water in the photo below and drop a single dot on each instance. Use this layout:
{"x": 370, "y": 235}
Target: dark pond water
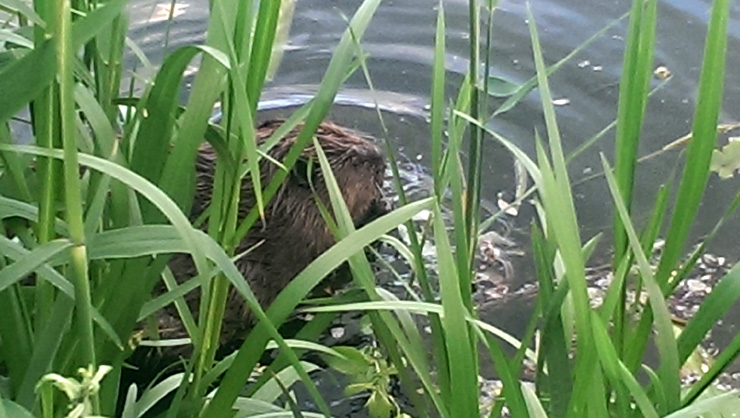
{"x": 400, "y": 43}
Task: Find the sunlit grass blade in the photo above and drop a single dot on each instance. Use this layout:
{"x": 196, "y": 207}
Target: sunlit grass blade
{"x": 153, "y": 395}
{"x": 726, "y": 403}
{"x": 138, "y": 183}
{"x": 15, "y": 208}
{"x": 78, "y": 271}
{"x": 557, "y": 199}
{"x": 633, "y": 90}
{"x": 386, "y": 328}
{"x": 261, "y": 51}
{"x": 21, "y": 7}
{"x": 31, "y": 261}
{"x": 553, "y": 348}
{"x": 534, "y": 406}
{"x": 507, "y": 371}
{"x": 422, "y": 308}
{"x": 462, "y": 356}
{"x": 177, "y": 177}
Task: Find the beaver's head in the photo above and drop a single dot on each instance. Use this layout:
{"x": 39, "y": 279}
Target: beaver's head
{"x": 359, "y": 168}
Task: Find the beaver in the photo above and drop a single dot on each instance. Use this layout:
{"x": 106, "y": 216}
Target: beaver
{"x": 293, "y": 232}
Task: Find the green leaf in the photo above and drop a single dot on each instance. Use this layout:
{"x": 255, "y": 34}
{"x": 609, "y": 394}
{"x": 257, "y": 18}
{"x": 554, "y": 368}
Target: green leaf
{"x": 32, "y": 261}
{"x": 501, "y": 87}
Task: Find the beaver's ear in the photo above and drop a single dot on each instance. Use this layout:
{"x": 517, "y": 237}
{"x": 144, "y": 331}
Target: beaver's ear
{"x": 303, "y": 173}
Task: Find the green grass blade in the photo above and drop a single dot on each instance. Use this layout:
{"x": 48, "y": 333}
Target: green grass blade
{"x": 709, "y": 378}
{"x": 534, "y": 406}
{"x": 632, "y": 98}
{"x": 558, "y": 199}
{"x": 725, "y": 404}
{"x": 460, "y": 349}
{"x": 617, "y": 372}
{"x": 261, "y": 52}
{"x": 704, "y": 134}
{"x": 438, "y": 96}
{"x": 136, "y": 182}
{"x": 45, "y": 349}
{"x": 31, "y": 261}
{"x": 714, "y": 307}
{"x": 665, "y": 340}
{"x": 13, "y": 167}
{"x": 19, "y": 6}
{"x": 159, "y": 108}
{"x": 531, "y": 84}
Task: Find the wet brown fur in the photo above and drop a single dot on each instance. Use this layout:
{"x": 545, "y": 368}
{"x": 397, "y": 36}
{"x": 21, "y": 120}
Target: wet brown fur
{"x": 294, "y": 232}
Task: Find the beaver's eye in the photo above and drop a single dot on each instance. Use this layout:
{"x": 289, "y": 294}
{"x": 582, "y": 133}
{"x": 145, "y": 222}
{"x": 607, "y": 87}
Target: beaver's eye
{"x": 301, "y": 174}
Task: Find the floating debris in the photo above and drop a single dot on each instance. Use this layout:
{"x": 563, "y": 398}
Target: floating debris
{"x": 662, "y": 72}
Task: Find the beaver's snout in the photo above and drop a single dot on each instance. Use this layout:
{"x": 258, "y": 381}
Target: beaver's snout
{"x": 378, "y": 208}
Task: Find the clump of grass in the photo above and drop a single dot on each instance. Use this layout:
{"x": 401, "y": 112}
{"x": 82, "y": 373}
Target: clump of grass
{"x": 92, "y": 210}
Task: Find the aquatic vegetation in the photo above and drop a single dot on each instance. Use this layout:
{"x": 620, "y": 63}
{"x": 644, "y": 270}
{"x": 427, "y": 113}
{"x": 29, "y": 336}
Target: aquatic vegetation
{"x": 93, "y": 206}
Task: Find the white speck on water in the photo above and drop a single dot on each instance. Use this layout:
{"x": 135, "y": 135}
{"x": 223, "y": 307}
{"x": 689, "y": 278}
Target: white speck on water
{"x": 598, "y": 68}
{"x": 561, "y": 102}
{"x": 584, "y": 64}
